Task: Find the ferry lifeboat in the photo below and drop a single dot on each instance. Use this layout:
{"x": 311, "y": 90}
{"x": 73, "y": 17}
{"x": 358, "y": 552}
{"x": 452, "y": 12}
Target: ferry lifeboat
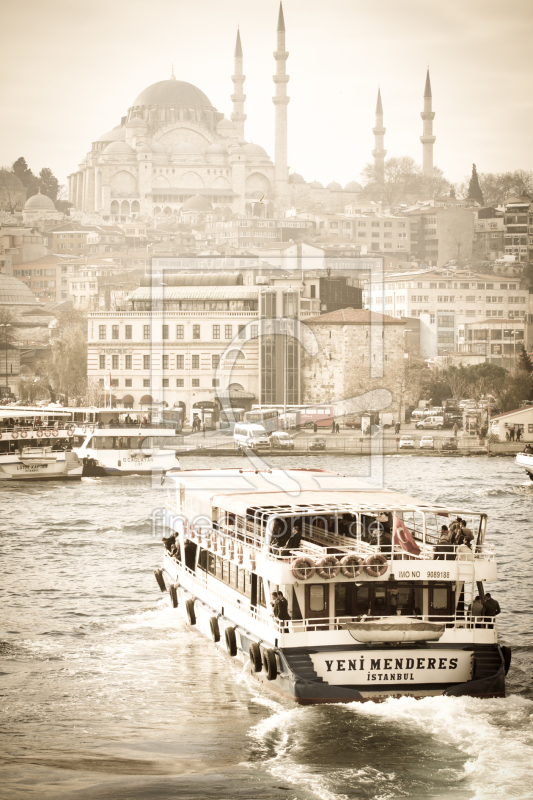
{"x": 396, "y": 629}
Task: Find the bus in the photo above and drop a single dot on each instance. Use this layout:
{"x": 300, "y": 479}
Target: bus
{"x": 172, "y": 418}
{"x": 229, "y": 417}
{"x": 267, "y": 417}
{"x": 322, "y": 414}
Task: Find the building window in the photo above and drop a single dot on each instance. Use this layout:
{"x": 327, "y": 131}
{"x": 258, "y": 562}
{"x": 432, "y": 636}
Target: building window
{"x": 114, "y": 362}
{"x": 146, "y": 383}
{"x": 180, "y": 331}
{"x": 432, "y": 319}
{"x": 127, "y": 332}
{"x": 127, "y": 383}
{"x": 180, "y": 362}
{"x": 216, "y": 331}
{"x": 215, "y": 383}
{"x": 165, "y": 383}
{"x": 164, "y": 332}
{"x": 255, "y": 331}
{"x": 146, "y": 362}
{"x": 241, "y": 332}
{"x": 146, "y": 331}
{"x": 312, "y": 289}
{"x": 228, "y": 331}
{"x": 101, "y": 332}
{"x": 114, "y": 383}
{"x": 215, "y": 361}
{"x": 165, "y": 362}
{"x": 195, "y": 362}
{"x": 180, "y": 383}
{"x": 127, "y": 362}
{"x": 114, "y": 331}
{"x": 195, "y": 331}
{"x": 102, "y": 362}
{"x": 195, "y": 383}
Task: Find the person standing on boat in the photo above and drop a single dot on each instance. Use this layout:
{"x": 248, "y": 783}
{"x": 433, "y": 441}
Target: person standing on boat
{"x": 491, "y": 607}
{"x": 477, "y": 607}
{"x": 468, "y": 536}
{"x": 281, "y": 608}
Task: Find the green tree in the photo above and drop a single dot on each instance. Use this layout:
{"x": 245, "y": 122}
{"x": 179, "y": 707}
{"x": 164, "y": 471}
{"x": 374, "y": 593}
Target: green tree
{"x": 49, "y": 184}
{"x": 66, "y": 368}
{"x": 29, "y": 180}
{"x": 474, "y": 189}
{"x": 524, "y": 361}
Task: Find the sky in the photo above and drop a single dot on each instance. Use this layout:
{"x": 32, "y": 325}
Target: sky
{"x": 69, "y": 69}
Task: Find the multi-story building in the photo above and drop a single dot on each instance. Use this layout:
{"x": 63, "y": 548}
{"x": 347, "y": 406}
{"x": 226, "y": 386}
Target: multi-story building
{"x": 489, "y": 237}
{"x": 500, "y": 341}
{"x": 74, "y": 239}
{"x": 378, "y": 232}
{"x": 440, "y": 235}
{"x": 43, "y": 277}
{"x": 448, "y": 298}
{"x": 518, "y": 235}
{"x": 243, "y": 232}
{"x": 18, "y": 245}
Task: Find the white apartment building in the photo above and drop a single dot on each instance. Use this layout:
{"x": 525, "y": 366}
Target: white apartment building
{"x": 449, "y": 299}
{"x": 379, "y": 232}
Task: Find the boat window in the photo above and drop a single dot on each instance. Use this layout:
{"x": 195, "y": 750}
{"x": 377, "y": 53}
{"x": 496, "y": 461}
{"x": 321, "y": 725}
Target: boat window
{"x": 261, "y": 599}
{"x": 202, "y": 560}
{"x": 362, "y": 599}
{"x": 440, "y": 597}
{"x": 380, "y": 598}
{"x": 317, "y": 599}
{"x": 340, "y": 599}
{"x": 225, "y": 571}
{"x": 218, "y": 568}
{"x": 247, "y": 583}
{"x": 233, "y": 575}
{"x": 240, "y": 580}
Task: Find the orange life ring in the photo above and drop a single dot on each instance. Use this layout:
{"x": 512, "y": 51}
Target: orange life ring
{"x": 303, "y": 568}
{"x": 39, "y": 433}
{"x": 84, "y": 429}
{"x": 328, "y": 567}
{"x": 376, "y": 565}
{"x": 14, "y": 435}
{"x": 23, "y": 434}
{"x": 55, "y": 432}
{"x": 91, "y": 429}
{"x": 48, "y": 432}
{"x": 70, "y": 431}
{"x": 351, "y": 566}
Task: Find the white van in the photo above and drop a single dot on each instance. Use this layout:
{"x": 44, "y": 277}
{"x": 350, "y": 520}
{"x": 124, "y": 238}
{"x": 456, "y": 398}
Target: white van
{"x": 251, "y": 435}
{"x": 431, "y": 423}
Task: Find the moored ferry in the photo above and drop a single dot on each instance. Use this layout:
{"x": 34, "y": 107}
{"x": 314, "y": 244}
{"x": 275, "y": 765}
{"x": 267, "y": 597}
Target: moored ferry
{"x": 376, "y": 607}
{"x": 525, "y": 459}
{"x": 37, "y": 445}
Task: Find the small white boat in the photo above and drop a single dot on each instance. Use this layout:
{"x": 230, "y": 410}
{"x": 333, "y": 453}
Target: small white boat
{"x": 526, "y": 460}
{"x": 395, "y": 629}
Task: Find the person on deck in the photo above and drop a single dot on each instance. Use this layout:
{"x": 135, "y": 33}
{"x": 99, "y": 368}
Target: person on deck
{"x": 294, "y": 540}
{"x": 444, "y": 548}
{"x": 281, "y": 608}
{"x": 491, "y": 607}
{"x": 467, "y": 533}
{"x": 477, "y": 607}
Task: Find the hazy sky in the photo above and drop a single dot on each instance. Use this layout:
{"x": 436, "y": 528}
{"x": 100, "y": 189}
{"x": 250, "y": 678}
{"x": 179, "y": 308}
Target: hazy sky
{"x": 71, "y": 68}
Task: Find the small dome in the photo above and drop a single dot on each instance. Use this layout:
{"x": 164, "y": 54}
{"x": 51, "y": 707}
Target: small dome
{"x": 353, "y": 186}
{"x": 118, "y": 134}
{"x": 216, "y": 149}
{"x": 334, "y": 186}
{"x": 254, "y": 150}
{"x": 316, "y": 185}
{"x": 197, "y": 203}
{"x": 225, "y": 123}
{"x": 294, "y": 177}
{"x": 185, "y": 148}
{"x": 15, "y": 292}
{"x": 118, "y": 149}
{"x": 144, "y": 148}
{"x": 39, "y": 201}
{"x": 136, "y": 122}
{"x": 157, "y": 147}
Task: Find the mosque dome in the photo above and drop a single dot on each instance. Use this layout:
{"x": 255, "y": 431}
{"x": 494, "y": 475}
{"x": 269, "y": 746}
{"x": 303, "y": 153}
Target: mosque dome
{"x": 197, "y": 203}
{"x": 216, "y": 149}
{"x": 118, "y": 134}
{"x": 144, "y": 148}
{"x": 118, "y": 149}
{"x": 39, "y": 202}
{"x": 334, "y": 186}
{"x": 294, "y": 177}
{"x": 254, "y": 150}
{"x": 173, "y": 93}
{"x": 225, "y": 123}
{"x": 185, "y": 148}
{"x": 157, "y": 147}
{"x": 353, "y": 186}
{"x": 316, "y": 185}
{"x": 136, "y": 122}
{"x": 15, "y": 292}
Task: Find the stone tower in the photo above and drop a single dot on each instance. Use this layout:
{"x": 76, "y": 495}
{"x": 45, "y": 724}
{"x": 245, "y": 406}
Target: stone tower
{"x": 379, "y": 152}
{"x": 281, "y": 101}
{"x": 238, "y": 97}
{"x": 427, "y": 139}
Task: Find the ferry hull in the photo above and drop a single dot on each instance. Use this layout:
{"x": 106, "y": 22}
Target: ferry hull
{"x": 58, "y": 470}
{"x": 298, "y": 679}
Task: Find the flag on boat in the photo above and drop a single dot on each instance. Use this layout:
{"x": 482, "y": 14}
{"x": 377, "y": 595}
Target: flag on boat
{"x": 402, "y": 535}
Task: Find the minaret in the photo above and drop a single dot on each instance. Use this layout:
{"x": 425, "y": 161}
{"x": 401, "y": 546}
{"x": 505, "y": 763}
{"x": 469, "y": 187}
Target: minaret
{"x": 427, "y": 139}
{"x": 379, "y": 152}
{"x": 238, "y": 97}
{"x": 281, "y": 101}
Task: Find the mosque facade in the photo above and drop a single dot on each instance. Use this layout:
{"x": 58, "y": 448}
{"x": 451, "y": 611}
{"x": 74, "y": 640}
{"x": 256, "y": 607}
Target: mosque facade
{"x": 174, "y": 150}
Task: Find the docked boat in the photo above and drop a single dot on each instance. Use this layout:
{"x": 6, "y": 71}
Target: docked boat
{"x": 371, "y": 607}
{"x": 36, "y": 444}
{"x": 525, "y": 459}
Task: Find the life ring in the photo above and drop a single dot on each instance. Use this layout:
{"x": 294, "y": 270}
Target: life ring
{"x": 48, "y": 432}
{"x": 351, "y": 566}
{"x": 376, "y": 565}
{"x": 15, "y": 435}
{"x": 39, "y": 433}
{"x": 71, "y": 430}
{"x": 23, "y": 434}
{"x": 55, "y": 432}
{"x": 91, "y": 429}
{"x": 328, "y": 567}
{"x": 84, "y": 429}
{"x": 303, "y": 568}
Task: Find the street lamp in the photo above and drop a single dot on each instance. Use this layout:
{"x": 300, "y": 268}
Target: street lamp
{"x": 5, "y": 326}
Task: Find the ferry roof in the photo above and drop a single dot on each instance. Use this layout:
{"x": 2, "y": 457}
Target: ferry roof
{"x": 7, "y": 413}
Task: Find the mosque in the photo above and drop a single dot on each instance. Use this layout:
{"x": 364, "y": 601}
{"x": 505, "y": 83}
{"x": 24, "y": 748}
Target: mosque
{"x": 174, "y": 151}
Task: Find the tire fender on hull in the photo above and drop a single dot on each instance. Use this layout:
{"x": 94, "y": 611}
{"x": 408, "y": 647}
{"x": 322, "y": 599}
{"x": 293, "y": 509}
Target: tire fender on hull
{"x": 231, "y": 641}
{"x": 160, "y": 580}
{"x": 270, "y": 665}
{"x": 191, "y": 614}
{"x": 254, "y": 653}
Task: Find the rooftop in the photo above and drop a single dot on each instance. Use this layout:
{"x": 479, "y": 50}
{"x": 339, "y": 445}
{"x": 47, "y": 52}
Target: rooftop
{"x": 354, "y": 316}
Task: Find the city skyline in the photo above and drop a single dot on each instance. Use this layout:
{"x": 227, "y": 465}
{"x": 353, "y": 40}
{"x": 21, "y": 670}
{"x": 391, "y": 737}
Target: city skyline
{"x": 333, "y": 93}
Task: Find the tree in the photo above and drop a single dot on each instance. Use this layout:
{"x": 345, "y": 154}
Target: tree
{"x": 474, "y": 189}
{"x": 12, "y": 192}
{"x": 49, "y": 184}
{"x": 524, "y": 362}
{"x": 66, "y": 368}
{"x": 401, "y": 180}
{"x": 29, "y": 180}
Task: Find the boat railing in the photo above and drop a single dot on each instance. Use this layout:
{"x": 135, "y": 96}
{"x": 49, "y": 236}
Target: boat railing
{"x": 462, "y": 620}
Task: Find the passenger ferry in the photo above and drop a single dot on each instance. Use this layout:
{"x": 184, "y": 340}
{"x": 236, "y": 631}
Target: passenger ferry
{"x": 376, "y": 609}
{"x": 37, "y": 445}
{"x": 525, "y": 459}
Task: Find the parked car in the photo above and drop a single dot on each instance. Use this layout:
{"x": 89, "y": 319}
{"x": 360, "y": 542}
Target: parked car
{"x": 431, "y": 422}
{"x": 282, "y": 440}
{"x": 407, "y": 443}
{"x": 449, "y": 443}
{"x": 353, "y": 422}
{"x": 317, "y": 443}
{"x": 427, "y": 443}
